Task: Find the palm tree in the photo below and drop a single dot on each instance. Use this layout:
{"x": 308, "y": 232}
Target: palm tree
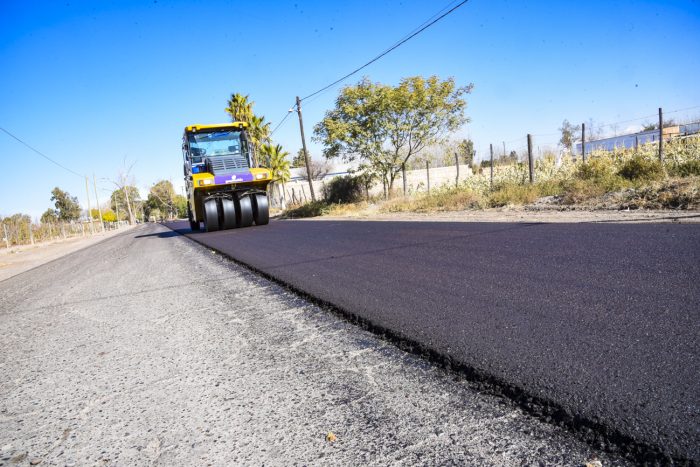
{"x": 276, "y": 157}
{"x": 239, "y": 108}
{"x": 259, "y": 131}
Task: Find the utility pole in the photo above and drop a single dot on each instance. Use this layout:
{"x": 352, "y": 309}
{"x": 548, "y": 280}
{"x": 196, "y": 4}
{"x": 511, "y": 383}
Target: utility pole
{"x": 583, "y": 142}
{"x": 661, "y": 135}
{"x": 491, "y": 148}
{"x": 97, "y": 200}
{"x": 530, "y": 162}
{"x": 457, "y": 167}
{"x": 87, "y": 193}
{"x": 306, "y": 153}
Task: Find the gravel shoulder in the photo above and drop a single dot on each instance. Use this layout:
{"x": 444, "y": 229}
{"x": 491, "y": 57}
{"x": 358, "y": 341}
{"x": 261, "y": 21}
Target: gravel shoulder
{"x": 148, "y": 349}
{"x": 19, "y": 259}
{"x": 525, "y": 214}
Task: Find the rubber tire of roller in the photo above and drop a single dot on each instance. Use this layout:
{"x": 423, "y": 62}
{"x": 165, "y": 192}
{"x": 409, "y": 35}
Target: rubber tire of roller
{"x": 228, "y": 212}
{"x": 194, "y": 226}
{"x": 211, "y": 215}
{"x": 245, "y": 212}
{"x": 261, "y": 209}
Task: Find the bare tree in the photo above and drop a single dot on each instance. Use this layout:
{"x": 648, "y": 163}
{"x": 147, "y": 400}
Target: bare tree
{"x": 123, "y": 181}
{"x": 319, "y": 169}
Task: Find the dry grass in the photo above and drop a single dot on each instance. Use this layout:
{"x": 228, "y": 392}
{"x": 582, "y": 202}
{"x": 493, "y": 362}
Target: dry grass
{"x": 444, "y": 199}
{"x": 323, "y": 208}
{"x": 620, "y": 179}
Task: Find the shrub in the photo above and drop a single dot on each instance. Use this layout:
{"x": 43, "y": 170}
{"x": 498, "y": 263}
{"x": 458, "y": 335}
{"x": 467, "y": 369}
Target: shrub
{"x": 598, "y": 169}
{"x": 639, "y": 167}
{"x": 513, "y": 193}
{"x": 347, "y": 189}
{"x": 312, "y": 209}
{"x": 686, "y": 168}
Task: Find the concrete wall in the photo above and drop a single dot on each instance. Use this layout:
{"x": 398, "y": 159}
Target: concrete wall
{"x": 416, "y": 181}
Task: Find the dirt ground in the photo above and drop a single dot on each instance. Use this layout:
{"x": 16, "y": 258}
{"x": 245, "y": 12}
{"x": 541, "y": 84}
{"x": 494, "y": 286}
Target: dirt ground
{"x": 19, "y": 259}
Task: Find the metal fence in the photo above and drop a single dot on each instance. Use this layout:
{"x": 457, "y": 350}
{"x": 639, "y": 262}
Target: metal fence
{"x": 23, "y": 232}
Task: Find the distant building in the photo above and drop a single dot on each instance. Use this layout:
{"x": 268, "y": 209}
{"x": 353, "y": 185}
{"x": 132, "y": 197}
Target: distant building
{"x": 643, "y": 137}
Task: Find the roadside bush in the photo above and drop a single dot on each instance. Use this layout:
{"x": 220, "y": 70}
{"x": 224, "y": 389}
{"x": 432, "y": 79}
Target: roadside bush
{"x": 312, "y": 209}
{"x": 687, "y": 168}
{"x": 347, "y": 189}
{"x": 513, "y": 193}
{"x": 597, "y": 169}
{"x": 577, "y": 191}
{"x": 639, "y": 167}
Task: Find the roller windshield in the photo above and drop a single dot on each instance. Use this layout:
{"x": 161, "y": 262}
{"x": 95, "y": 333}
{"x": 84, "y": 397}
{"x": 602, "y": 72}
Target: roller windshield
{"x": 220, "y": 143}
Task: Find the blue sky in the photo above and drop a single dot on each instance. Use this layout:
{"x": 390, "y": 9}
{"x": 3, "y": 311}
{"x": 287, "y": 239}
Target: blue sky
{"x": 92, "y": 84}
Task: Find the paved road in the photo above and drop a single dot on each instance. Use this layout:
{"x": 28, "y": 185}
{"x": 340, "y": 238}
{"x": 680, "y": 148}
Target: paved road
{"x": 602, "y": 320}
{"x": 147, "y": 349}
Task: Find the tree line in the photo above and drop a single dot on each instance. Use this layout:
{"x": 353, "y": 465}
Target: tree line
{"x": 125, "y": 204}
{"x": 383, "y": 128}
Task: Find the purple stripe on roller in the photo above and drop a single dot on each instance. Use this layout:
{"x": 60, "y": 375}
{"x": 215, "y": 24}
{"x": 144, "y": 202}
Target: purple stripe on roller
{"x": 233, "y": 178}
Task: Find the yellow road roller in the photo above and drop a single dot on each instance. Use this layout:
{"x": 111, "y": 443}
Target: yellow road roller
{"x": 226, "y": 188}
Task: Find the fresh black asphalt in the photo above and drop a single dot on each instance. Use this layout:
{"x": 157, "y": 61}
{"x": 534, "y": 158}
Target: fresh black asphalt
{"x": 599, "y": 320}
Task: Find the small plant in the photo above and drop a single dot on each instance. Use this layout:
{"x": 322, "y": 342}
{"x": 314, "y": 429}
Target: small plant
{"x": 687, "y": 168}
{"x": 641, "y": 168}
{"x": 514, "y": 193}
{"x": 597, "y": 169}
{"x": 312, "y": 209}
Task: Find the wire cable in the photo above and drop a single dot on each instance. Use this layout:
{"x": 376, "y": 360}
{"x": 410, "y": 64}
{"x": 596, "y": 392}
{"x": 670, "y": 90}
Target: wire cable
{"x": 42, "y": 154}
{"x": 281, "y": 121}
{"x": 390, "y": 49}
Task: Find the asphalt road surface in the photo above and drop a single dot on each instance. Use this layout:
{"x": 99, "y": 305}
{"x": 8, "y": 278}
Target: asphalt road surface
{"x": 147, "y": 349}
{"x": 598, "y": 322}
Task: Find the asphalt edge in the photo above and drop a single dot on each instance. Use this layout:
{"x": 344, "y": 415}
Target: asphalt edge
{"x": 594, "y": 433}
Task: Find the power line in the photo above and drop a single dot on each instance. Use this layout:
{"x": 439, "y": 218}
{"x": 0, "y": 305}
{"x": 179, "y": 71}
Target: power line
{"x": 281, "y": 121}
{"x": 395, "y": 46}
{"x": 42, "y": 154}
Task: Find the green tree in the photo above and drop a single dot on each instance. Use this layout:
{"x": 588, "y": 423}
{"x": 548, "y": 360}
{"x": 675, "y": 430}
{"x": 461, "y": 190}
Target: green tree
{"x": 259, "y": 131}
{"x": 67, "y": 206}
{"x": 299, "y": 160}
{"x": 465, "y": 151}
{"x": 569, "y": 134}
{"x": 180, "y": 203}
{"x": 385, "y": 126}
{"x": 49, "y": 217}
{"x": 109, "y": 216}
{"x": 17, "y": 228}
{"x": 161, "y": 197}
{"x": 239, "y": 108}
{"x": 118, "y": 202}
{"x": 279, "y": 165}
